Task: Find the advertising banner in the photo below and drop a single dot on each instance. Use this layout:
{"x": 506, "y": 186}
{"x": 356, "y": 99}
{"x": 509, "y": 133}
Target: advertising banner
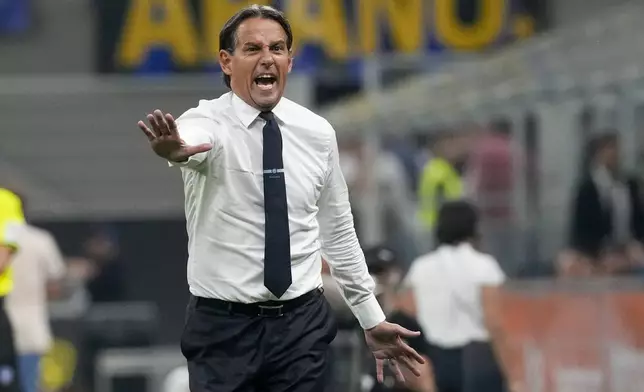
{"x": 149, "y": 36}
{"x": 577, "y": 340}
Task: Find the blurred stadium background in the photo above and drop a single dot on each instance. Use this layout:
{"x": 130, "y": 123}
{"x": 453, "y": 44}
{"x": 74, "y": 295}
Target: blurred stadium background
{"x": 391, "y": 76}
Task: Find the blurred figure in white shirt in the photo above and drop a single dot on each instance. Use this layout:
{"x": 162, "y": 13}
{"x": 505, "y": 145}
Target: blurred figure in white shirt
{"x": 38, "y": 268}
{"x": 455, "y": 290}
{"x": 178, "y": 380}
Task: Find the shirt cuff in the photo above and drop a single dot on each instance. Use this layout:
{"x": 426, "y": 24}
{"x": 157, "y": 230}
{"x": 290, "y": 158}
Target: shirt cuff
{"x": 369, "y": 313}
{"x": 179, "y": 164}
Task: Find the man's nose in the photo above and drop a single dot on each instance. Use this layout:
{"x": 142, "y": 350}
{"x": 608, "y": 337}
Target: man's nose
{"x": 267, "y": 58}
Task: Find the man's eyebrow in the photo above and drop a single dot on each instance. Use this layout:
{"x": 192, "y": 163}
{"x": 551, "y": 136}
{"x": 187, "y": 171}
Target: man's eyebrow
{"x": 273, "y": 43}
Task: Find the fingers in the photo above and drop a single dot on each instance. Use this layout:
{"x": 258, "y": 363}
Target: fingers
{"x": 155, "y": 126}
{"x": 393, "y": 365}
{"x": 192, "y": 150}
{"x": 172, "y": 125}
{"x": 379, "y": 370}
{"x": 148, "y": 133}
{"x": 161, "y": 123}
{"x": 405, "y": 333}
{"x": 410, "y": 364}
{"x": 409, "y": 352}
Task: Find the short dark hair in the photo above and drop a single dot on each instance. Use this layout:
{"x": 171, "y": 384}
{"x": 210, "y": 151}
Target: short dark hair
{"x": 380, "y": 259}
{"x": 228, "y": 34}
{"x": 605, "y": 138}
{"x": 457, "y": 223}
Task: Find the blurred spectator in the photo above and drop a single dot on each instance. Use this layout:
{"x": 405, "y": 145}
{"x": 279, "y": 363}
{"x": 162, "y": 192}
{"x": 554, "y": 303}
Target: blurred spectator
{"x": 177, "y": 380}
{"x": 405, "y": 151}
{"x": 607, "y": 225}
{"x": 100, "y": 266}
{"x": 351, "y": 162}
{"x": 38, "y": 269}
{"x": 455, "y": 289}
{"x": 397, "y": 206}
{"x": 422, "y": 140}
{"x": 441, "y": 180}
{"x": 387, "y": 272}
{"x": 490, "y": 174}
{"x": 11, "y": 223}
{"x": 490, "y": 184}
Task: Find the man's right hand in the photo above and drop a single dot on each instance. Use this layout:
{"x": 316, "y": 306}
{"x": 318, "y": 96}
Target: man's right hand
{"x": 164, "y": 138}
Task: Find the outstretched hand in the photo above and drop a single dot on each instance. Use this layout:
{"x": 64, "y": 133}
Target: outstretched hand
{"x": 386, "y": 343}
{"x": 164, "y": 138}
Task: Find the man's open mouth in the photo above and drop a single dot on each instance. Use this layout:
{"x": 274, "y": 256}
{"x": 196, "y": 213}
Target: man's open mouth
{"x": 265, "y": 81}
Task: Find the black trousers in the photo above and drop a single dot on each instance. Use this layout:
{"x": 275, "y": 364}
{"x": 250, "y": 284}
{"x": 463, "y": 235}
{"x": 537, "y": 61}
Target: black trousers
{"x": 9, "y": 380}
{"x": 471, "y": 368}
{"x": 234, "y": 352}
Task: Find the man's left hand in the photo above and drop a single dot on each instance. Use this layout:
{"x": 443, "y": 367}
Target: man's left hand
{"x": 385, "y": 341}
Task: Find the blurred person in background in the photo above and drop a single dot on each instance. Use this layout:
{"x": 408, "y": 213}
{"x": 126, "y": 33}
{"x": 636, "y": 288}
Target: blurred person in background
{"x": 387, "y": 271}
{"x": 99, "y": 268}
{"x": 99, "y": 265}
{"x": 351, "y": 155}
{"x": 423, "y": 143}
{"x": 406, "y": 151}
{"x": 11, "y": 224}
{"x": 490, "y": 172}
{"x": 489, "y": 183}
{"x": 455, "y": 290}
{"x": 178, "y": 380}
{"x": 607, "y": 224}
{"x": 38, "y": 269}
{"x": 395, "y": 199}
{"x": 441, "y": 181}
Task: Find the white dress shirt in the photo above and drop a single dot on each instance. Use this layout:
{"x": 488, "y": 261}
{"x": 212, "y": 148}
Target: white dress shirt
{"x": 37, "y": 262}
{"x": 447, "y": 285}
{"x": 224, "y": 203}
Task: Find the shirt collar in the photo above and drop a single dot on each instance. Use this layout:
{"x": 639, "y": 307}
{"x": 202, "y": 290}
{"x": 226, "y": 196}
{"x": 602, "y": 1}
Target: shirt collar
{"x": 247, "y": 114}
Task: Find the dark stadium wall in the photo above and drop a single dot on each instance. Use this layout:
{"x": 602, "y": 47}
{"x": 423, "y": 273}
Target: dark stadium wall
{"x": 154, "y": 256}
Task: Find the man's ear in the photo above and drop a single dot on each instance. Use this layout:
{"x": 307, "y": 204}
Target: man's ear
{"x": 290, "y": 60}
{"x": 225, "y": 58}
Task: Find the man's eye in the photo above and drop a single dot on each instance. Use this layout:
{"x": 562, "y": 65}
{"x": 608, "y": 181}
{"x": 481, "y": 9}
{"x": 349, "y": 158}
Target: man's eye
{"x": 277, "y": 48}
{"x": 252, "y": 49}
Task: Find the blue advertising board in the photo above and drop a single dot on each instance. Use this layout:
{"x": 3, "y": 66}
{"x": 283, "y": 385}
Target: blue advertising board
{"x": 15, "y": 16}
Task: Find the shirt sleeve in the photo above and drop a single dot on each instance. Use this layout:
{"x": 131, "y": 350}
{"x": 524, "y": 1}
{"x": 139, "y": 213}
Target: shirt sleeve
{"x": 341, "y": 248}
{"x": 11, "y": 219}
{"x": 195, "y": 128}
{"x": 54, "y": 264}
{"x": 491, "y": 273}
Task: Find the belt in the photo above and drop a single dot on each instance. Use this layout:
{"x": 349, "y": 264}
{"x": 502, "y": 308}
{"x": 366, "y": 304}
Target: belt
{"x": 261, "y": 309}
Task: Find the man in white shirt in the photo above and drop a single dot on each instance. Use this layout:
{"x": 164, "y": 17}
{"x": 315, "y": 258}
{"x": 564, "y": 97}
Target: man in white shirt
{"x": 455, "y": 291}
{"x": 258, "y": 222}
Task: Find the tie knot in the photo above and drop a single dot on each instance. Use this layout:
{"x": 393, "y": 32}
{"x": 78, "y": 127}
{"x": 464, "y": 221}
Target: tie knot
{"x": 268, "y": 116}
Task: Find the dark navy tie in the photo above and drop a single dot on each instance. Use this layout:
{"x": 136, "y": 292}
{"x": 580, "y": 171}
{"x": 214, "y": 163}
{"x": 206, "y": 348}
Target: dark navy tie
{"x": 277, "y": 250}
